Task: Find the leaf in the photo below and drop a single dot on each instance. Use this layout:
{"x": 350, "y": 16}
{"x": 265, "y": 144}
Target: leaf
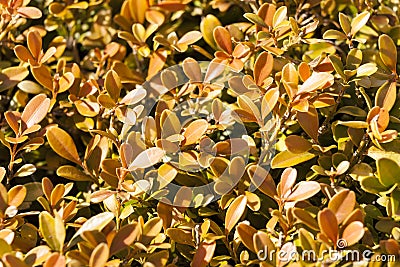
{"x": 388, "y": 52}
{"x": 386, "y": 95}
{"x": 25, "y": 170}
{"x": 12, "y": 261}
{"x": 288, "y": 179}
{"x": 279, "y": 16}
{"x": 34, "y": 44}
{"x": 388, "y": 171}
{"x": 223, "y": 39}
{"x": 134, "y": 96}
{"x": 304, "y": 190}
{"x": 263, "y": 180}
{"x": 113, "y": 84}
{"x": 309, "y": 122}
{"x": 207, "y": 26}
{"x": 23, "y": 53}
{"x": 297, "y": 144}
{"x": 194, "y": 131}
{"x": 269, "y": 101}
{"x": 124, "y": 238}
{"x": 234, "y": 212}
{"x": 255, "y": 19}
{"x": 366, "y": 69}
{"x": 342, "y": 204}
{"x": 204, "y": 254}
{"x": 99, "y": 256}
{"x": 344, "y": 23}
{"x": 97, "y": 222}
{"x": 151, "y": 229}
{"x": 316, "y": 81}
{"x": 286, "y": 159}
{"x": 52, "y": 229}
{"x": 328, "y": 224}
{"x": 43, "y": 76}
{"x": 36, "y": 110}
{"x": 263, "y": 67}
{"x": 305, "y": 217}
{"x": 11, "y": 76}
{"x": 246, "y": 234}
{"x": 335, "y": 35}
{"x": 61, "y": 142}
{"x": 16, "y": 195}
{"x": 147, "y": 158}
{"x": 180, "y": 236}
{"x": 72, "y": 173}
{"x": 29, "y": 12}
{"x": 359, "y": 21}
{"x": 55, "y": 260}
{"x": 353, "y": 233}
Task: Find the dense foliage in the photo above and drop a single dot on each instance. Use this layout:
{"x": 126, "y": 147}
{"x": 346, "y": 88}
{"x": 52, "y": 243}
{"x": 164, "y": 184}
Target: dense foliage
{"x": 118, "y": 116}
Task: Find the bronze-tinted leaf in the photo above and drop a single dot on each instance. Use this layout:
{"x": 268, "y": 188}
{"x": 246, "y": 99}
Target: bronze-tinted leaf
{"x": 23, "y": 53}
{"x": 353, "y": 233}
{"x": 288, "y": 179}
{"x": 262, "y": 180}
{"x": 263, "y": 67}
{"x": 297, "y": 144}
{"x": 328, "y": 224}
{"x": 55, "y": 260}
{"x": 16, "y": 195}
{"x": 113, "y": 84}
{"x": 223, "y": 39}
{"x": 34, "y": 43}
{"x": 204, "y": 254}
{"x": 151, "y": 229}
{"x": 147, "y": 158}
{"x": 43, "y": 76}
{"x": 35, "y": 110}
{"x": 246, "y": 234}
{"x": 63, "y": 144}
{"x": 342, "y": 204}
{"x": 386, "y": 96}
{"x": 235, "y": 212}
{"x": 72, "y": 173}
{"x": 99, "y": 256}
{"x": 124, "y": 238}
{"x": 304, "y": 190}
{"x": 29, "y": 12}
{"x": 309, "y": 122}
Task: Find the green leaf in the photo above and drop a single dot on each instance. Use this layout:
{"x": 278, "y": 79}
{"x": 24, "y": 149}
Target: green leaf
{"x": 366, "y": 69}
{"x": 73, "y": 173}
{"x": 207, "y": 26}
{"x": 255, "y": 19}
{"x": 388, "y": 171}
{"x": 286, "y": 159}
{"x": 388, "y": 52}
{"x": 359, "y": 22}
{"x": 53, "y": 230}
{"x": 335, "y": 35}
{"x": 386, "y": 95}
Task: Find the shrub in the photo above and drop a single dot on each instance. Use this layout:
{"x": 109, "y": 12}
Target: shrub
{"x": 188, "y": 132}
